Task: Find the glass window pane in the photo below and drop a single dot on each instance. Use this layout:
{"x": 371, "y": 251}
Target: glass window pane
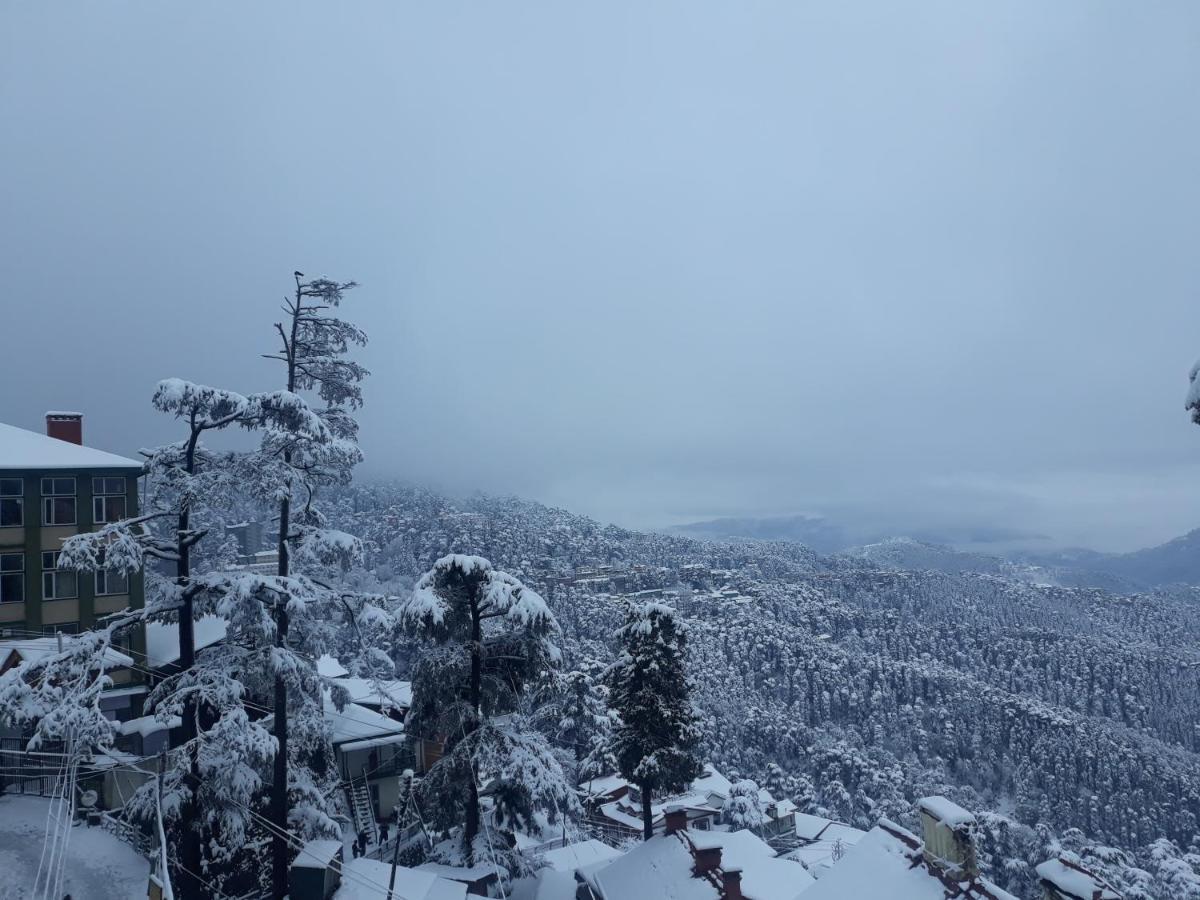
{"x": 48, "y": 561}
{"x": 12, "y": 562}
{"x": 11, "y": 487}
{"x": 12, "y": 587}
{"x": 108, "y": 485}
{"x": 66, "y": 583}
{"x": 58, "y": 511}
{"x": 11, "y": 512}
{"x": 58, "y": 487}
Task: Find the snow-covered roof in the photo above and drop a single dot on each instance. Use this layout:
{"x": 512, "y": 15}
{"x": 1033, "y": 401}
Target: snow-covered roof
{"x": 764, "y": 877}
{"x": 607, "y": 784}
{"x": 464, "y": 874}
{"x": 357, "y": 723}
{"x": 547, "y": 884}
{"x": 1075, "y": 881}
{"x": 367, "y": 879}
{"x": 574, "y": 856}
{"x": 162, "y": 640}
{"x": 33, "y": 649}
{"x": 888, "y": 862}
{"x": 615, "y": 812}
{"x": 21, "y": 449}
{"x": 818, "y": 828}
{"x": 377, "y": 692}
{"x": 945, "y": 811}
{"x": 148, "y": 725}
{"x": 329, "y": 667}
{"x": 317, "y": 854}
{"x": 660, "y": 867}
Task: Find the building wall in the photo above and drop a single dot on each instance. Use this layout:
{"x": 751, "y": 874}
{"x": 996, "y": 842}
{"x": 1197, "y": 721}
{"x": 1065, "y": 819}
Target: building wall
{"x": 35, "y": 613}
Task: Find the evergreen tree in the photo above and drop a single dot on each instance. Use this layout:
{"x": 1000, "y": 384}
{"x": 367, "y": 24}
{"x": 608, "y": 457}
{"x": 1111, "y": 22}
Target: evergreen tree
{"x": 491, "y": 636}
{"x": 744, "y": 808}
{"x": 654, "y": 742}
{"x": 305, "y": 448}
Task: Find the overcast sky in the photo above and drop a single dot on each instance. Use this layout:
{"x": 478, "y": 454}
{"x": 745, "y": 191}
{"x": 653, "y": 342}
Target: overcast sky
{"x": 930, "y": 265}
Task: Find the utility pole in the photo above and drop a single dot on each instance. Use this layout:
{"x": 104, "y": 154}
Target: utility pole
{"x": 400, "y": 819}
{"x": 168, "y": 894}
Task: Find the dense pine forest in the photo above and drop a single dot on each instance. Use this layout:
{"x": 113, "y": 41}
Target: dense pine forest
{"x": 1066, "y": 713}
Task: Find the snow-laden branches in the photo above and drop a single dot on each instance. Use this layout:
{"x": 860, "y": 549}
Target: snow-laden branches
{"x": 496, "y": 595}
{"x": 204, "y": 407}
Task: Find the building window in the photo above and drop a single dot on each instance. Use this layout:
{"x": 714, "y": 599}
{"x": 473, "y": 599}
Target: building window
{"x": 58, "y": 501}
{"x": 12, "y": 577}
{"x": 108, "y": 500}
{"x": 61, "y": 628}
{"x": 57, "y": 584}
{"x": 109, "y": 581}
{"x": 12, "y": 502}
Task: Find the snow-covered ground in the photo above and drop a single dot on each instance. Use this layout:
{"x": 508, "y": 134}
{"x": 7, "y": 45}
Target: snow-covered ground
{"x": 99, "y": 866}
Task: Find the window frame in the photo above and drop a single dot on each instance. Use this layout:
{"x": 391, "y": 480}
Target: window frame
{"x": 53, "y": 571}
{"x": 53, "y": 494}
{"x": 106, "y": 574}
{"x": 100, "y": 508}
{"x": 17, "y": 499}
{"x": 10, "y": 572}
{"x": 99, "y": 488}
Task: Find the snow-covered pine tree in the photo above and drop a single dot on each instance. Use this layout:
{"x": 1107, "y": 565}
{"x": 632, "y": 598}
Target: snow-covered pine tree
{"x": 491, "y": 636}
{"x": 573, "y": 713}
{"x": 306, "y": 448}
{"x": 744, "y": 808}
{"x": 187, "y": 482}
{"x": 649, "y": 688}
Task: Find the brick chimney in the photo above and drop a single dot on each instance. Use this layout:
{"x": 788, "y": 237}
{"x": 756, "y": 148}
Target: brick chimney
{"x": 707, "y": 859}
{"x": 65, "y": 426}
{"x": 732, "y": 877}
{"x": 675, "y": 819}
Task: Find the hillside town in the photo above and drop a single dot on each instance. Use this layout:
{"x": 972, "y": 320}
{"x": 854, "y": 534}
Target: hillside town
{"x": 717, "y": 839}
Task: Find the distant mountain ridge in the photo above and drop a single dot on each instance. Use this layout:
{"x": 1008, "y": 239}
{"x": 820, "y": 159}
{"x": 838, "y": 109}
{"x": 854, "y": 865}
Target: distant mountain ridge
{"x": 1175, "y": 562}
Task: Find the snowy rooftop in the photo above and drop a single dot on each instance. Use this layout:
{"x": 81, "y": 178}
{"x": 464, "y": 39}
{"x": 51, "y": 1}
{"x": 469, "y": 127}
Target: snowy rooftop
{"x": 317, "y": 854}
{"x": 818, "y": 828}
{"x": 21, "y": 449}
{"x": 664, "y": 867}
{"x": 945, "y": 811}
{"x": 574, "y": 856}
{"x": 357, "y": 723}
{"x": 378, "y": 692}
{"x": 660, "y": 867}
{"x": 888, "y": 862}
{"x": 764, "y": 877}
{"x": 367, "y": 879}
{"x": 33, "y": 649}
{"x": 477, "y": 872}
{"x": 162, "y": 640}
{"x": 1075, "y": 881}
{"x": 329, "y": 667}
{"x": 148, "y": 725}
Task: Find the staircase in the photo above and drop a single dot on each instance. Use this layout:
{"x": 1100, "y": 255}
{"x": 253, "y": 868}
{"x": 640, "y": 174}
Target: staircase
{"x": 361, "y": 809}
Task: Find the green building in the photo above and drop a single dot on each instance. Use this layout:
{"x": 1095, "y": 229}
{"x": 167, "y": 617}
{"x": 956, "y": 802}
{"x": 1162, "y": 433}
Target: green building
{"x": 51, "y": 487}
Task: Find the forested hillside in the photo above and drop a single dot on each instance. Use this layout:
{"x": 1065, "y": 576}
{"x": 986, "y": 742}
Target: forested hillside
{"x": 856, "y": 688}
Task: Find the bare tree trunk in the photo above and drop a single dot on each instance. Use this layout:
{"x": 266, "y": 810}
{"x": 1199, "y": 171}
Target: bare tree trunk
{"x": 471, "y": 826}
{"x": 279, "y": 789}
{"x": 647, "y": 812}
{"x": 279, "y": 798}
{"x": 191, "y": 849}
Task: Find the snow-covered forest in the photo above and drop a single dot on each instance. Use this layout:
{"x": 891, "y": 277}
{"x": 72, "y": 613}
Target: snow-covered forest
{"x": 755, "y": 457}
{"x": 1064, "y": 714}
{"x": 540, "y": 652}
